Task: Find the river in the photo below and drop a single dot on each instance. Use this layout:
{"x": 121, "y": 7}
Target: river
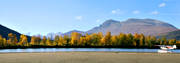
{"x": 81, "y": 50}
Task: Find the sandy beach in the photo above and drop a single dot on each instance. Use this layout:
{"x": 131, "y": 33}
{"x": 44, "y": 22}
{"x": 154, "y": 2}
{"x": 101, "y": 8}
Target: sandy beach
{"x": 89, "y": 57}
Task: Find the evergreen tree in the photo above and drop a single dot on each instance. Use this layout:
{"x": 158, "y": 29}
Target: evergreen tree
{"x": 129, "y": 40}
{"x": 122, "y": 40}
{"x": 82, "y": 41}
{"x": 66, "y": 40}
{"x": 95, "y": 39}
{"x": 172, "y": 41}
{"x": 56, "y": 40}
{"x": 163, "y": 41}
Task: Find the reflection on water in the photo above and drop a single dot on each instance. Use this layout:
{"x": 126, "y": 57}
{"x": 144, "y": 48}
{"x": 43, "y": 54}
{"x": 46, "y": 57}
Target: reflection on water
{"x": 82, "y": 49}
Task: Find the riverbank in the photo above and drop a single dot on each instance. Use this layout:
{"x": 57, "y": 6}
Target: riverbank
{"x": 26, "y": 47}
{"x": 89, "y": 57}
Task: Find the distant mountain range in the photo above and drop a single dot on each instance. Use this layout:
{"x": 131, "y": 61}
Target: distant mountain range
{"x": 145, "y": 26}
{"x": 52, "y": 35}
{"x": 69, "y": 33}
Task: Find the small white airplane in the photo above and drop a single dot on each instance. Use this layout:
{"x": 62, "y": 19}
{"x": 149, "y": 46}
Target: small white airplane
{"x": 166, "y": 48}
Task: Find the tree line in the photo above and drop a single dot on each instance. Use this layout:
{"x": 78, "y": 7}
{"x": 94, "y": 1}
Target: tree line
{"x": 88, "y": 40}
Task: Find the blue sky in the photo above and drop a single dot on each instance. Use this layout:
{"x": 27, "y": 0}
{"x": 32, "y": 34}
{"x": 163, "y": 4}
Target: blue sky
{"x": 46, "y": 16}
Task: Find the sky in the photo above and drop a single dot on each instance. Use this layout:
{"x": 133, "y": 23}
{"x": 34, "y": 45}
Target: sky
{"x": 34, "y": 17}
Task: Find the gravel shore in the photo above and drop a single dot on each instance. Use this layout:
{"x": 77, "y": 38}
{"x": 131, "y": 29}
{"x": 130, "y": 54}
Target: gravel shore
{"x": 89, "y": 57}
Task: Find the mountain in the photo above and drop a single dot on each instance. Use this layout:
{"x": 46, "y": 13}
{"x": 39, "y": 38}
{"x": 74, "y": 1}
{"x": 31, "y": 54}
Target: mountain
{"x": 145, "y": 26}
{"x": 69, "y": 33}
{"x": 4, "y": 31}
{"x": 171, "y": 35}
{"x": 52, "y": 35}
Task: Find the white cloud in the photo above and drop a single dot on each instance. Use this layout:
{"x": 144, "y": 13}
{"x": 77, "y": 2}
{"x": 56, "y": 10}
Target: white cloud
{"x": 165, "y": 0}
{"x": 162, "y": 5}
{"x": 136, "y": 12}
{"x": 155, "y": 12}
{"x": 78, "y": 17}
{"x": 116, "y": 11}
{"x": 98, "y": 20}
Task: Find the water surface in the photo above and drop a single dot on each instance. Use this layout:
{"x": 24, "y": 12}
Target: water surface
{"x": 81, "y": 50}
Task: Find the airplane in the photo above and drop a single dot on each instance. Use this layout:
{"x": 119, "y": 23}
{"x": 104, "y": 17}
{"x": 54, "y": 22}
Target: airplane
{"x": 166, "y": 48}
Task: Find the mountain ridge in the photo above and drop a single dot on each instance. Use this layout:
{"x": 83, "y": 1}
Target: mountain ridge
{"x": 133, "y": 26}
{"x": 4, "y": 31}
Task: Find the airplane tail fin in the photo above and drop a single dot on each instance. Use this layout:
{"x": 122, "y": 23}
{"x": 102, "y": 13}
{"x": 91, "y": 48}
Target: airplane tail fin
{"x": 174, "y": 46}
